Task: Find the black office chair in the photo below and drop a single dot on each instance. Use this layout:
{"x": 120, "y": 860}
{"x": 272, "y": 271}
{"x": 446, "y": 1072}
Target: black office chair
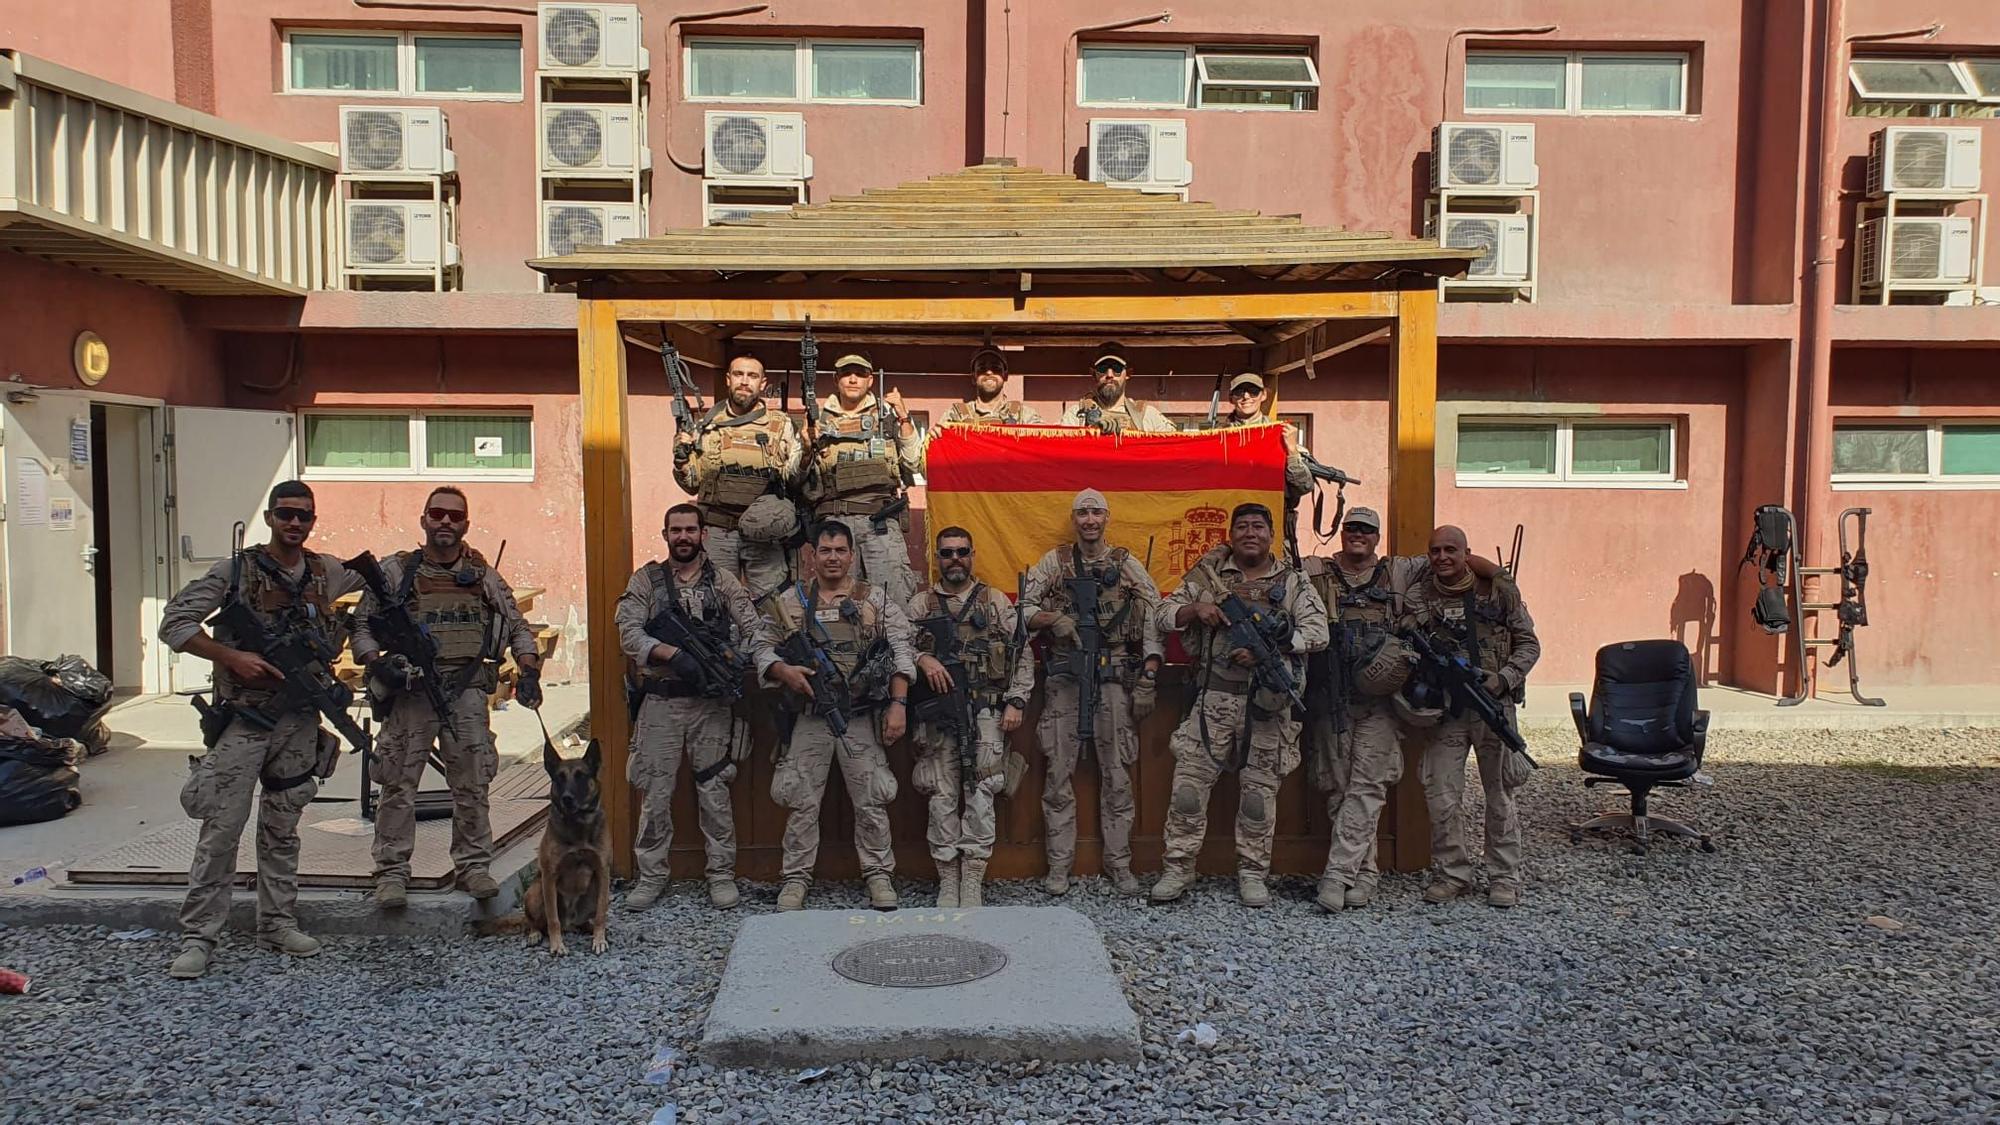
{"x": 1641, "y": 731}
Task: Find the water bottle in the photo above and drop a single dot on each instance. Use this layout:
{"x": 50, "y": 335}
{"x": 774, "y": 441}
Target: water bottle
{"x": 30, "y": 875}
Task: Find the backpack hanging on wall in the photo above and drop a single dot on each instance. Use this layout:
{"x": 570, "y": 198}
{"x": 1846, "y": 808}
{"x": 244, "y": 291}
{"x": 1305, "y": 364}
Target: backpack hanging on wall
{"x": 1772, "y": 549}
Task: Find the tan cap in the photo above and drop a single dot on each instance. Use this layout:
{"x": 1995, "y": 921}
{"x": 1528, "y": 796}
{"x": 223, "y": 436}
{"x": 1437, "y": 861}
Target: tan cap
{"x": 1363, "y": 516}
{"x": 1247, "y": 379}
{"x": 1089, "y": 498}
{"x": 853, "y": 359}
{"x": 999, "y": 361}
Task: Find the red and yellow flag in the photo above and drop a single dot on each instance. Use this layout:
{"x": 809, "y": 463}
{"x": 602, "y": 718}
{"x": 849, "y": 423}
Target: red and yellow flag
{"x": 1012, "y": 488}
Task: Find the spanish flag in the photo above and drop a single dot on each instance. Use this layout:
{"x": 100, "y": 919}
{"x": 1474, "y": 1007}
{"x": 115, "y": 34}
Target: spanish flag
{"x": 1170, "y": 494}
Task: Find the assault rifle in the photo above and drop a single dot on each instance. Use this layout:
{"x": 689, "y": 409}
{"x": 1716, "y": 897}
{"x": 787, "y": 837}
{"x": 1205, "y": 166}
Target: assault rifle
{"x": 952, "y": 710}
{"x": 298, "y": 651}
{"x": 1449, "y": 681}
{"x": 681, "y": 383}
{"x": 1259, "y": 632}
{"x": 399, "y": 633}
{"x": 809, "y": 376}
{"x": 888, "y": 512}
{"x": 1215, "y": 400}
{"x": 1088, "y": 660}
{"x": 722, "y": 663}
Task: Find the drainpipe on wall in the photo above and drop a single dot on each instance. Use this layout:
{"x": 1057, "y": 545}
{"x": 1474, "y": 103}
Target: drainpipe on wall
{"x": 1071, "y": 50}
{"x": 673, "y": 53}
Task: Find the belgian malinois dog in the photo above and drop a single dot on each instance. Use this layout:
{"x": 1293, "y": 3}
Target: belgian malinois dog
{"x": 572, "y": 887}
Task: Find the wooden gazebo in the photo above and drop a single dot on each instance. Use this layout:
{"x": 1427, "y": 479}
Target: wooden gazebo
{"x": 1014, "y": 255}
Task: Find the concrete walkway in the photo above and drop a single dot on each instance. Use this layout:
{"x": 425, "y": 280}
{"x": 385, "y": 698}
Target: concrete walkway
{"x": 133, "y": 790}
{"x": 1735, "y": 709}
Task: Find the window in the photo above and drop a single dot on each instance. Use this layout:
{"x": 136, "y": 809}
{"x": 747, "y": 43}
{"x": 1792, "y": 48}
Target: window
{"x": 1500, "y": 452}
{"x": 1899, "y": 454}
{"x": 885, "y": 72}
{"x": 1179, "y": 77}
{"x": 1582, "y": 82}
{"x": 403, "y": 64}
{"x": 1913, "y": 86}
{"x": 404, "y": 445}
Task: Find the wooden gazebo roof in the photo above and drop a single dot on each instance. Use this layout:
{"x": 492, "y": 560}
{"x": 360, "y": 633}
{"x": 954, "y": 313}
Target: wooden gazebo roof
{"x": 996, "y": 219}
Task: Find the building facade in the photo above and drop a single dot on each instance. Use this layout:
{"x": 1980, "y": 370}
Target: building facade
{"x": 1698, "y": 341}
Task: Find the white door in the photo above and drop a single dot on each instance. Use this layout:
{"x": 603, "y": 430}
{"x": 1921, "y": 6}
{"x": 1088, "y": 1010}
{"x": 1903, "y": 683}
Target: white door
{"x": 222, "y": 465}
{"x": 50, "y": 535}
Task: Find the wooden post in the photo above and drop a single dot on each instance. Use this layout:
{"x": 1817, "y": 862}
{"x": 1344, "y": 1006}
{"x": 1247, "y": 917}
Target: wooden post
{"x": 1412, "y": 514}
{"x": 607, "y": 554}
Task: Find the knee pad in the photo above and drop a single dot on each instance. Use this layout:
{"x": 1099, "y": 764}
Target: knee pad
{"x": 1252, "y": 805}
{"x": 1187, "y": 800}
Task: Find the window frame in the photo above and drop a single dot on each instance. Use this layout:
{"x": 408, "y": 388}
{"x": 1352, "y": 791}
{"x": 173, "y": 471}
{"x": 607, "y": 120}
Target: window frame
{"x": 802, "y": 73}
{"x": 406, "y": 64}
{"x": 1565, "y": 474}
{"x": 1573, "y": 64}
{"x": 1192, "y": 80}
{"x": 1934, "y": 477}
{"x": 419, "y": 470}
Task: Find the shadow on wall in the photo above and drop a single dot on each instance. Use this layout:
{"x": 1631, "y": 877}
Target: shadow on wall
{"x": 1694, "y": 610}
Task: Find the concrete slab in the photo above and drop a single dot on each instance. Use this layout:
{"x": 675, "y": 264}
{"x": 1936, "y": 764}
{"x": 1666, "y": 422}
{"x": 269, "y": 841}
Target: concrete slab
{"x": 783, "y": 1003}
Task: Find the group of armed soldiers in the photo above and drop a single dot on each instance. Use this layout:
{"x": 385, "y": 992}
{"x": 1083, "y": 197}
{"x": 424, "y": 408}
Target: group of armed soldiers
{"x": 432, "y": 627}
{"x": 1432, "y": 649}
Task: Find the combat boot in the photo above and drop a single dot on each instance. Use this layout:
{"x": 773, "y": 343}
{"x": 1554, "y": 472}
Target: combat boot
{"x": 792, "y": 896}
{"x": 645, "y": 892}
{"x": 881, "y": 892}
{"x": 479, "y": 884}
{"x": 948, "y": 882}
{"x": 1056, "y": 882}
{"x": 192, "y": 962}
{"x": 1123, "y": 880}
{"x": 391, "y": 893}
{"x": 1503, "y": 895}
{"x": 1443, "y": 889}
{"x": 1251, "y": 890}
{"x": 1172, "y": 884}
{"x": 1362, "y": 893}
{"x": 290, "y": 942}
{"x": 722, "y": 893}
{"x": 971, "y": 873}
{"x": 1332, "y": 895}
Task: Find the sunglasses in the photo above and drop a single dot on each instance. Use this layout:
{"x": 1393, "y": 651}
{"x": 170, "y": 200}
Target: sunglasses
{"x": 954, "y": 552}
{"x": 1357, "y": 529}
{"x": 445, "y": 515}
{"x": 1111, "y": 367}
{"x": 293, "y": 515}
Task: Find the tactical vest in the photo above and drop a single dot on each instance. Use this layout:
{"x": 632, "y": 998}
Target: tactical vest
{"x": 263, "y": 585}
{"x": 1008, "y": 413}
{"x": 741, "y": 459}
{"x": 699, "y": 599}
{"x": 1473, "y": 621}
{"x": 450, "y": 602}
{"x": 1273, "y": 591}
{"x": 1367, "y": 606}
{"x": 1125, "y": 417}
{"x": 846, "y": 630}
{"x": 863, "y": 465}
{"x": 1119, "y": 612}
{"x": 983, "y": 636}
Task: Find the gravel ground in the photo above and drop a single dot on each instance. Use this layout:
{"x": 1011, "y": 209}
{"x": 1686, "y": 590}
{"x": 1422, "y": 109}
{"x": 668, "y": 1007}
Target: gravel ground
{"x": 1750, "y": 984}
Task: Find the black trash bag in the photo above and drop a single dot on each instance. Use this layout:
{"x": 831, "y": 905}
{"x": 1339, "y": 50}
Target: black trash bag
{"x": 62, "y": 698}
{"x": 38, "y": 778}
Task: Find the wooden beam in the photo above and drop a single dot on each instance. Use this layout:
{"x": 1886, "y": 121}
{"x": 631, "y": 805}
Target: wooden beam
{"x": 1331, "y": 341}
{"x": 607, "y": 554}
{"x": 1413, "y": 506}
{"x": 1031, "y": 308}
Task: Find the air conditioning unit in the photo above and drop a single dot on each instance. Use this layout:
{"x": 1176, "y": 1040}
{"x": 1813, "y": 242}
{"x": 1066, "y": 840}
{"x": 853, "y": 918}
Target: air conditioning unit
{"x": 394, "y": 140}
{"x": 1935, "y": 250}
{"x": 1470, "y": 156}
{"x": 1923, "y": 158}
{"x": 592, "y": 38}
{"x": 755, "y": 146}
{"x": 396, "y": 236}
{"x": 715, "y": 214}
{"x": 567, "y": 226}
{"x": 591, "y": 138}
{"x": 1148, "y": 154}
{"x": 1503, "y": 239}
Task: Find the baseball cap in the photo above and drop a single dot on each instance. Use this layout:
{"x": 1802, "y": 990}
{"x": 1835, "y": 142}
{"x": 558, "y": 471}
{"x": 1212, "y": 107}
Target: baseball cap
{"x": 1089, "y": 498}
{"x": 993, "y": 354}
{"x": 1365, "y": 516}
{"x": 1110, "y": 349}
{"x": 1247, "y": 379}
{"x": 853, "y": 359}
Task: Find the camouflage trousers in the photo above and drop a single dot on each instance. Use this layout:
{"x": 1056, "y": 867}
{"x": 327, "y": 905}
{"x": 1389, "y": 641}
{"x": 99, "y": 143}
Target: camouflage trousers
{"x": 1117, "y": 748}
{"x": 884, "y": 557}
{"x": 1364, "y": 761}
{"x": 763, "y": 567}
{"x": 1273, "y": 753}
{"x": 218, "y": 792}
{"x": 960, "y": 830}
{"x": 700, "y": 730}
{"x": 470, "y": 761}
{"x": 1444, "y": 793}
{"x": 799, "y": 784}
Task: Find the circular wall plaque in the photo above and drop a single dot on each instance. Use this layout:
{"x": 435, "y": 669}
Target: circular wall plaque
{"x": 92, "y": 358}
{"x": 919, "y": 961}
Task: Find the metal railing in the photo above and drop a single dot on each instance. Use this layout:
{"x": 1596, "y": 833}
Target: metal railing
{"x": 104, "y": 177}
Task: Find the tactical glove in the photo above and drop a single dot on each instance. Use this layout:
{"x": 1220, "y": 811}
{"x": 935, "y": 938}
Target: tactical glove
{"x": 1063, "y": 626}
{"x": 528, "y": 689}
{"x": 393, "y": 672}
{"x": 1145, "y": 695}
{"x": 684, "y": 667}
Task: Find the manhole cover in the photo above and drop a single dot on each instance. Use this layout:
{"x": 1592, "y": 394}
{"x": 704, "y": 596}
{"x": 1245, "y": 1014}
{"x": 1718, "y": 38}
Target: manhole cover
{"x": 919, "y": 961}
